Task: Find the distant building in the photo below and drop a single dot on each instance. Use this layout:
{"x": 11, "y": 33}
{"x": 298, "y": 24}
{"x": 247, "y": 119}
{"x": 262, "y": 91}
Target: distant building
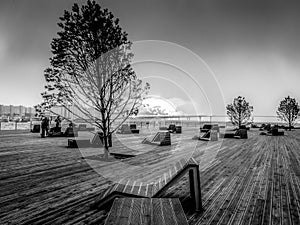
{"x": 11, "y": 111}
{"x": 71, "y": 112}
{"x": 5, "y": 110}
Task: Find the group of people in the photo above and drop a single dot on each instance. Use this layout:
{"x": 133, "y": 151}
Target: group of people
{"x": 45, "y": 125}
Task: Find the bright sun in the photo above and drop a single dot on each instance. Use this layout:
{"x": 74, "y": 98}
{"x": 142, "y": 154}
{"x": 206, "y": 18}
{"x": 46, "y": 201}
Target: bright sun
{"x": 157, "y": 101}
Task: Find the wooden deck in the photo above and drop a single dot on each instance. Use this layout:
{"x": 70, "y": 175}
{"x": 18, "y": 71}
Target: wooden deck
{"x": 253, "y": 181}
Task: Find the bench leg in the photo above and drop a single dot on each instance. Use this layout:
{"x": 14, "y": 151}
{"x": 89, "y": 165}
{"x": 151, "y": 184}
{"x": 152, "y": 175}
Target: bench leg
{"x": 195, "y": 188}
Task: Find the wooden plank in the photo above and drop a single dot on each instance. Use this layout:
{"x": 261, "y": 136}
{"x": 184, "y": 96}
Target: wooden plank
{"x": 178, "y": 211}
{"x": 146, "y": 211}
{"x": 251, "y": 181}
{"x": 114, "y": 213}
{"x": 140, "y": 213}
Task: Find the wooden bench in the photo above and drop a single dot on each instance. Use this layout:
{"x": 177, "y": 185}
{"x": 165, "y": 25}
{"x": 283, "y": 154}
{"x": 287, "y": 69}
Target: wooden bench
{"x": 125, "y": 129}
{"x": 211, "y": 135}
{"x": 162, "y": 138}
{"x": 123, "y": 188}
{"x": 178, "y": 130}
{"x": 79, "y": 143}
{"x": 141, "y": 211}
{"x": 240, "y": 134}
{"x": 274, "y": 132}
{"x": 132, "y": 126}
{"x": 134, "y": 129}
{"x": 277, "y": 132}
{"x": 208, "y": 127}
{"x": 36, "y": 128}
{"x": 172, "y": 128}
{"x": 175, "y": 129}
{"x": 128, "y": 129}
{"x": 96, "y": 142}
{"x": 71, "y": 132}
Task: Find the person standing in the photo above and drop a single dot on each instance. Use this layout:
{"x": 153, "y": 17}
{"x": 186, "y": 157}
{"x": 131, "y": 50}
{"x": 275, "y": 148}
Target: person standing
{"x": 58, "y": 124}
{"x": 43, "y": 126}
{"x": 47, "y": 126}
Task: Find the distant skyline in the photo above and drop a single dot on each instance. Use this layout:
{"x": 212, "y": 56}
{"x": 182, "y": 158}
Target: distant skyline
{"x": 13, "y": 110}
{"x": 252, "y": 48}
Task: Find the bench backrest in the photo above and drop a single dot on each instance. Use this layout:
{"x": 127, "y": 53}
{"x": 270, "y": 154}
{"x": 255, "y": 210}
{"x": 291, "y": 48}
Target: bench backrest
{"x": 164, "y": 138}
{"x": 172, "y": 127}
{"x": 132, "y": 126}
{"x": 97, "y": 139}
{"x": 125, "y": 129}
{"x": 214, "y": 135}
{"x": 178, "y": 129}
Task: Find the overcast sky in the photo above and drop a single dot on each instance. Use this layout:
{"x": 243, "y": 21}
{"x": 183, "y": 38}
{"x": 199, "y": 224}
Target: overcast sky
{"x": 251, "y": 46}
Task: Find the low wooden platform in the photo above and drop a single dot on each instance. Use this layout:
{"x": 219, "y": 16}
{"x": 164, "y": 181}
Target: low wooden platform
{"x": 127, "y": 188}
{"x": 140, "y": 211}
{"x": 243, "y": 181}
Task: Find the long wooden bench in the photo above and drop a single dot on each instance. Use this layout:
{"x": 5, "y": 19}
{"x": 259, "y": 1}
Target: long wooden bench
{"x": 211, "y": 135}
{"x": 96, "y": 142}
{"x": 124, "y": 129}
{"x": 123, "y": 188}
{"x": 240, "y": 134}
{"x": 208, "y": 127}
{"x": 139, "y": 211}
{"x": 162, "y": 138}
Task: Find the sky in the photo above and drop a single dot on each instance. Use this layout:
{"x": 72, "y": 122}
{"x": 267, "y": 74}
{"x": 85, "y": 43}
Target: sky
{"x": 201, "y": 53}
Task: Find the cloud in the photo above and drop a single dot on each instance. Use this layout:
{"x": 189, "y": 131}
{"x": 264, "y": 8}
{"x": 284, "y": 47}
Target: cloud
{"x": 157, "y": 105}
{"x": 185, "y": 106}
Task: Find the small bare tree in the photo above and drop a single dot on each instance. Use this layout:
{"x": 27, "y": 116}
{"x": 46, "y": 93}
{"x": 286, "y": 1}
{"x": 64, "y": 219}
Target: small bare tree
{"x": 288, "y": 111}
{"x": 239, "y": 111}
{"x": 90, "y": 70}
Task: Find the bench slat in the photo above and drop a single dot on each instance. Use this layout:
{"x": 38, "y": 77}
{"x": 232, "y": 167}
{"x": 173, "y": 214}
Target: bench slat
{"x": 140, "y": 211}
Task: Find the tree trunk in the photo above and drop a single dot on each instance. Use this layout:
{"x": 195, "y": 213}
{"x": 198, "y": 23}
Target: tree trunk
{"x": 105, "y": 146}
{"x": 290, "y": 120}
{"x": 106, "y": 153}
{"x": 240, "y": 120}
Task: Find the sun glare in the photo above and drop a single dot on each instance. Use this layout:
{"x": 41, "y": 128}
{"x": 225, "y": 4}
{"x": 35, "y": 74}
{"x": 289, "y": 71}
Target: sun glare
{"x": 164, "y": 104}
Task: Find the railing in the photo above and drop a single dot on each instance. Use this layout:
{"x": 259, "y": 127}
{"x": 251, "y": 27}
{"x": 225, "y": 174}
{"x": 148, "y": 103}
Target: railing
{"x": 200, "y": 119}
{"x": 156, "y": 121}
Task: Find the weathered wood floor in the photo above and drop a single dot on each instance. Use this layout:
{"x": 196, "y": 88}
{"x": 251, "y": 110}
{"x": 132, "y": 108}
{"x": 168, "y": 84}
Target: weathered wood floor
{"x": 254, "y": 181}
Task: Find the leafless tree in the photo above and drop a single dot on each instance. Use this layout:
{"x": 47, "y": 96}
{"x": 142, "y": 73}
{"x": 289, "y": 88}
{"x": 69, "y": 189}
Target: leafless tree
{"x": 91, "y": 71}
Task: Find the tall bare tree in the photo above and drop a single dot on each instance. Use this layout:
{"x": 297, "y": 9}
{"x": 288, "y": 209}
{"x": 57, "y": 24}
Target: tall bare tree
{"x": 239, "y": 111}
{"x": 288, "y": 111}
{"x": 90, "y": 70}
